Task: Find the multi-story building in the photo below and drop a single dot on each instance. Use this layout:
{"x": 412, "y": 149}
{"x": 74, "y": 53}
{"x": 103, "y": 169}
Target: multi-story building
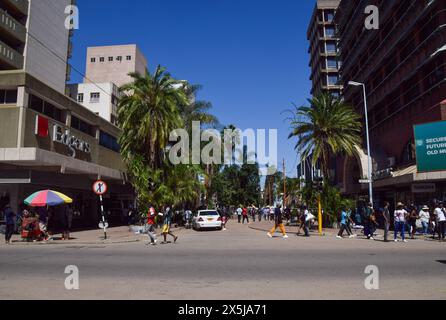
{"x": 101, "y": 98}
{"x": 113, "y": 64}
{"x": 402, "y": 65}
{"x": 324, "y": 60}
{"x": 107, "y": 69}
{"x": 47, "y": 139}
{"x": 31, "y": 38}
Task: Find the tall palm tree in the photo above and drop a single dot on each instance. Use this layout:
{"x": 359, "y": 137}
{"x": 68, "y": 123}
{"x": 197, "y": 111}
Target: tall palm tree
{"x": 328, "y": 126}
{"x": 148, "y": 112}
{"x": 196, "y": 110}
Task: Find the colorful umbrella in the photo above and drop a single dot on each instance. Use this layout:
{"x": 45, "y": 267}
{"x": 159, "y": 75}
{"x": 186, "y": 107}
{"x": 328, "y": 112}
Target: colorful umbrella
{"x": 47, "y": 198}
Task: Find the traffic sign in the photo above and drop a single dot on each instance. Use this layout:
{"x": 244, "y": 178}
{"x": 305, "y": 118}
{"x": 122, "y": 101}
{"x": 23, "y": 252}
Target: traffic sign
{"x": 365, "y": 181}
{"x": 103, "y": 225}
{"x": 100, "y": 187}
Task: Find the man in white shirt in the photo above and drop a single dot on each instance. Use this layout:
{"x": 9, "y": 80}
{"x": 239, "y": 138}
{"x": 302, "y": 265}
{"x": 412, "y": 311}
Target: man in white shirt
{"x": 239, "y": 214}
{"x": 440, "y": 214}
{"x": 400, "y": 221}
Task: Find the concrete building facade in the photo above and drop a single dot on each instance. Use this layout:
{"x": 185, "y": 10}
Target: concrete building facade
{"x": 47, "y": 139}
{"x": 324, "y": 58}
{"x": 403, "y": 67}
{"x": 100, "y": 98}
{"x": 113, "y": 64}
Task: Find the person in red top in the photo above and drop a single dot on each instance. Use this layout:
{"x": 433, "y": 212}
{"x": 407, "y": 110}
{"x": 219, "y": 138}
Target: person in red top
{"x": 151, "y": 225}
{"x": 245, "y": 215}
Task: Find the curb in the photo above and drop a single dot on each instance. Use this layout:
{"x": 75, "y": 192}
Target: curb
{"x": 61, "y": 243}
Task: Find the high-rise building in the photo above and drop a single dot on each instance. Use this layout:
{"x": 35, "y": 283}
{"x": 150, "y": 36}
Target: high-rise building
{"x": 47, "y": 140}
{"x": 113, "y": 64}
{"x": 324, "y": 61}
{"x": 402, "y": 65}
{"x": 33, "y": 38}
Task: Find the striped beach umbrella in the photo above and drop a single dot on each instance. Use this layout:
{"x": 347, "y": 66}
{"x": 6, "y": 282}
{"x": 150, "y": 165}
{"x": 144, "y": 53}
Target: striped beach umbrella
{"x": 47, "y": 198}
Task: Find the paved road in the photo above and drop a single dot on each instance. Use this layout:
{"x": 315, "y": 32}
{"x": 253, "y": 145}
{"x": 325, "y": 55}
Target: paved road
{"x": 236, "y": 264}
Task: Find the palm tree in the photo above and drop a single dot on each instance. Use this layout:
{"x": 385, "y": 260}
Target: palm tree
{"x": 328, "y": 126}
{"x": 196, "y": 110}
{"x": 147, "y": 114}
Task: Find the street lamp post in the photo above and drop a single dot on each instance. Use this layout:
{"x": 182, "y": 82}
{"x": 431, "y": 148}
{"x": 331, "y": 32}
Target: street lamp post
{"x": 358, "y": 84}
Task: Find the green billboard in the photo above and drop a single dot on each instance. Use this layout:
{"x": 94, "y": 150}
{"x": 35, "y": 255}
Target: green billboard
{"x": 430, "y": 143}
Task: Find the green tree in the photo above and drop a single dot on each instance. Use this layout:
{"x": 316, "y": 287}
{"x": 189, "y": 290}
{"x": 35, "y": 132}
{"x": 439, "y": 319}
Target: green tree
{"x": 325, "y": 128}
{"x": 148, "y": 113}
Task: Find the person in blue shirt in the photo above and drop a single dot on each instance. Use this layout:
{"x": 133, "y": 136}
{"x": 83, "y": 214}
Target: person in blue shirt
{"x": 10, "y": 220}
{"x": 344, "y": 224}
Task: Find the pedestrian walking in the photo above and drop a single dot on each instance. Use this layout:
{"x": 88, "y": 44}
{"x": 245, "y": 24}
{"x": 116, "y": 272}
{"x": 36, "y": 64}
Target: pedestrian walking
{"x": 168, "y": 214}
{"x": 151, "y": 215}
{"x": 344, "y": 219}
{"x": 305, "y": 219}
{"x": 440, "y": 214}
{"x": 400, "y": 221}
{"x": 10, "y": 221}
{"x": 386, "y": 216}
{"x": 245, "y": 215}
{"x": 350, "y": 222}
{"x": 278, "y": 223}
{"x": 413, "y": 217}
{"x": 369, "y": 225}
{"x": 424, "y": 217}
{"x": 239, "y": 212}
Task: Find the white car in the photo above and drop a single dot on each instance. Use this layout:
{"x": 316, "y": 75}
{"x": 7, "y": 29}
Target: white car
{"x": 207, "y": 219}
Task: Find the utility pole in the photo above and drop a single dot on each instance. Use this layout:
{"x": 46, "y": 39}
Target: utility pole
{"x": 284, "y": 183}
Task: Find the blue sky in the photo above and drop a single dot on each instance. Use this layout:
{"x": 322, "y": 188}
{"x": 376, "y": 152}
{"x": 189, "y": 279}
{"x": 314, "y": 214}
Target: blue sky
{"x": 250, "y": 56}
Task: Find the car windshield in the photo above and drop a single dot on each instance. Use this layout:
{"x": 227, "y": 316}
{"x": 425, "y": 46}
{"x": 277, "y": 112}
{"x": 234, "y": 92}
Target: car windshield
{"x": 208, "y": 213}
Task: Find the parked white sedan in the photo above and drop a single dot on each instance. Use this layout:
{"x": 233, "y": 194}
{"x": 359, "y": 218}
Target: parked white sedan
{"x": 207, "y": 219}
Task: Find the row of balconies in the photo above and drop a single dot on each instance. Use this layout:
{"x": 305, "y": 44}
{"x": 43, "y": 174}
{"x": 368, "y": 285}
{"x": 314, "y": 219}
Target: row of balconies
{"x": 10, "y": 57}
{"x": 18, "y": 6}
{"x": 11, "y": 27}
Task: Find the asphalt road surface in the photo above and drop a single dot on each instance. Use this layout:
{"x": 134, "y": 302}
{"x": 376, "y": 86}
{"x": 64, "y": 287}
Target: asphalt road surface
{"x": 237, "y": 264}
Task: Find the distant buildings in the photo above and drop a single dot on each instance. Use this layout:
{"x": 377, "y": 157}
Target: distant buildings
{"x": 47, "y": 139}
{"x": 107, "y": 69}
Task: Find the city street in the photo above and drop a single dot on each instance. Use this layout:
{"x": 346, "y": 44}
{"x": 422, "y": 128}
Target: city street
{"x": 240, "y": 263}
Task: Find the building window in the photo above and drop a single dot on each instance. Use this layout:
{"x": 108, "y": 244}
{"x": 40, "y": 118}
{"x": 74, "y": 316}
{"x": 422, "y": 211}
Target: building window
{"x": 129, "y": 58}
{"x": 95, "y": 97}
{"x": 119, "y": 58}
{"x": 333, "y": 80}
{"x": 110, "y": 59}
{"x": 80, "y": 97}
{"x": 331, "y": 47}
{"x": 101, "y": 59}
{"x": 329, "y": 32}
{"x": 46, "y": 108}
{"x": 329, "y": 16}
{"x": 82, "y": 126}
{"x": 108, "y": 141}
{"x": 93, "y": 60}
{"x": 8, "y": 96}
{"x": 332, "y": 63}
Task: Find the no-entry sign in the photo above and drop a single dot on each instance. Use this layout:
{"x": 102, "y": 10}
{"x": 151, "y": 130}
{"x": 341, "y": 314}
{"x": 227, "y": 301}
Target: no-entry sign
{"x": 100, "y": 187}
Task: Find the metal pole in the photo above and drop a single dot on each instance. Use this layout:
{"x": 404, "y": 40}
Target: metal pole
{"x": 368, "y": 146}
{"x": 103, "y": 217}
{"x": 319, "y": 215}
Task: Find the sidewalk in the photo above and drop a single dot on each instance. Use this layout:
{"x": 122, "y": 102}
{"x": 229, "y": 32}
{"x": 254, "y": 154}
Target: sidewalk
{"x": 91, "y": 237}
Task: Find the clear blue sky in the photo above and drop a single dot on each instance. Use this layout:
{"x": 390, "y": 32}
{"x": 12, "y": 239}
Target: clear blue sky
{"x": 249, "y": 55}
